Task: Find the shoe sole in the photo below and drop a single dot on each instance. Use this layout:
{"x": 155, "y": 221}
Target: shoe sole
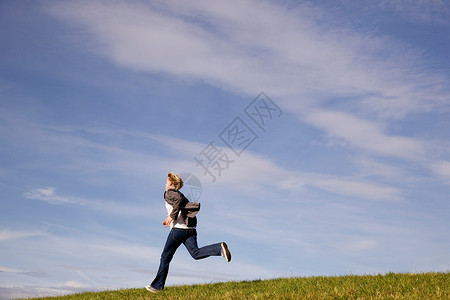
{"x": 151, "y": 289}
{"x": 226, "y": 251}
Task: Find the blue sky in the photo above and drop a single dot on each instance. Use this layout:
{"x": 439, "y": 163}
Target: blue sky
{"x": 100, "y": 100}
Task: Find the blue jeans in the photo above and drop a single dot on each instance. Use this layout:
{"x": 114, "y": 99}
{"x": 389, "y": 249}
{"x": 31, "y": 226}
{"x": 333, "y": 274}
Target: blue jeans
{"x": 176, "y": 237}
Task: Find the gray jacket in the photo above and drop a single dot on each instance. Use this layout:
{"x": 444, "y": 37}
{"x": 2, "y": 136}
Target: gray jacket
{"x": 179, "y": 203}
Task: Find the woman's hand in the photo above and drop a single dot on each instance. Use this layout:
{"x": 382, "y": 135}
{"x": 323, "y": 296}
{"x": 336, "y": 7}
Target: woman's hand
{"x": 167, "y": 221}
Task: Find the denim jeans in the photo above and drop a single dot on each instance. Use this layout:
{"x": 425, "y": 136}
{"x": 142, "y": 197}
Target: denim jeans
{"x": 176, "y": 237}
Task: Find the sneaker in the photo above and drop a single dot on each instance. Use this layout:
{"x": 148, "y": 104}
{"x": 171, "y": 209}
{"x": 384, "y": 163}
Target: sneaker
{"x": 151, "y": 289}
{"x": 225, "y": 252}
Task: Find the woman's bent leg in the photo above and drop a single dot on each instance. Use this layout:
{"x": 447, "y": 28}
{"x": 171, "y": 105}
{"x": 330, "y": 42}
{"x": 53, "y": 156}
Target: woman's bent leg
{"x": 203, "y": 252}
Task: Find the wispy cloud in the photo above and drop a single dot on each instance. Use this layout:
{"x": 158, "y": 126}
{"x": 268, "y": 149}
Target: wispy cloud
{"x": 258, "y": 171}
{"x": 10, "y": 270}
{"x": 356, "y": 188}
{"x": 442, "y": 168}
{"x": 49, "y": 195}
{"x": 364, "y": 134}
{"x": 21, "y": 272}
{"x": 27, "y": 291}
{"x": 301, "y": 61}
{"x": 369, "y": 168}
{"x": 278, "y": 46}
{"x": 7, "y": 234}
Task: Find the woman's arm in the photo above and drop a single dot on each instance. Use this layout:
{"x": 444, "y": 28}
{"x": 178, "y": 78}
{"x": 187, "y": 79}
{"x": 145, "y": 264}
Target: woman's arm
{"x": 167, "y": 221}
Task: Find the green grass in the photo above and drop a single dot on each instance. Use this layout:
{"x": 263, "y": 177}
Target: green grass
{"x": 389, "y": 286}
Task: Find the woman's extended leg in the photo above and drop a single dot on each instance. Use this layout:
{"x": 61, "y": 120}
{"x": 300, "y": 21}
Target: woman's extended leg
{"x": 203, "y": 252}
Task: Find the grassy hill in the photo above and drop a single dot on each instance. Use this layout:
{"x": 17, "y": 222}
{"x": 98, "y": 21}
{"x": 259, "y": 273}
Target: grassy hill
{"x": 389, "y": 286}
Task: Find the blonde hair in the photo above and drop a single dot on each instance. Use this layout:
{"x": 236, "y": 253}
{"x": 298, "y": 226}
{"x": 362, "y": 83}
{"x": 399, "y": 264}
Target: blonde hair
{"x": 176, "y": 180}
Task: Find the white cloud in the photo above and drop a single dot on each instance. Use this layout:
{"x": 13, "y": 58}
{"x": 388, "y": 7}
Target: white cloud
{"x": 29, "y": 291}
{"x": 49, "y": 195}
{"x": 253, "y": 169}
{"x": 254, "y": 172}
{"x": 257, "y": 171}
{"x": 10, "y": 270}
{"x": 364, "y": 134}
{"x": 369, "y": 167}
{"x": 250, "y": 46}
{"x": 21, "y": 272}
{"x": 74, "y": 284}
{"x": 7, "y": 234}
{"x": 361, "y": 245}
{"x": 356, "y": 188}
{"x": 115, "y": 207}
{"x": 442, "y": 169}
{"x": 359, "y": 132}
